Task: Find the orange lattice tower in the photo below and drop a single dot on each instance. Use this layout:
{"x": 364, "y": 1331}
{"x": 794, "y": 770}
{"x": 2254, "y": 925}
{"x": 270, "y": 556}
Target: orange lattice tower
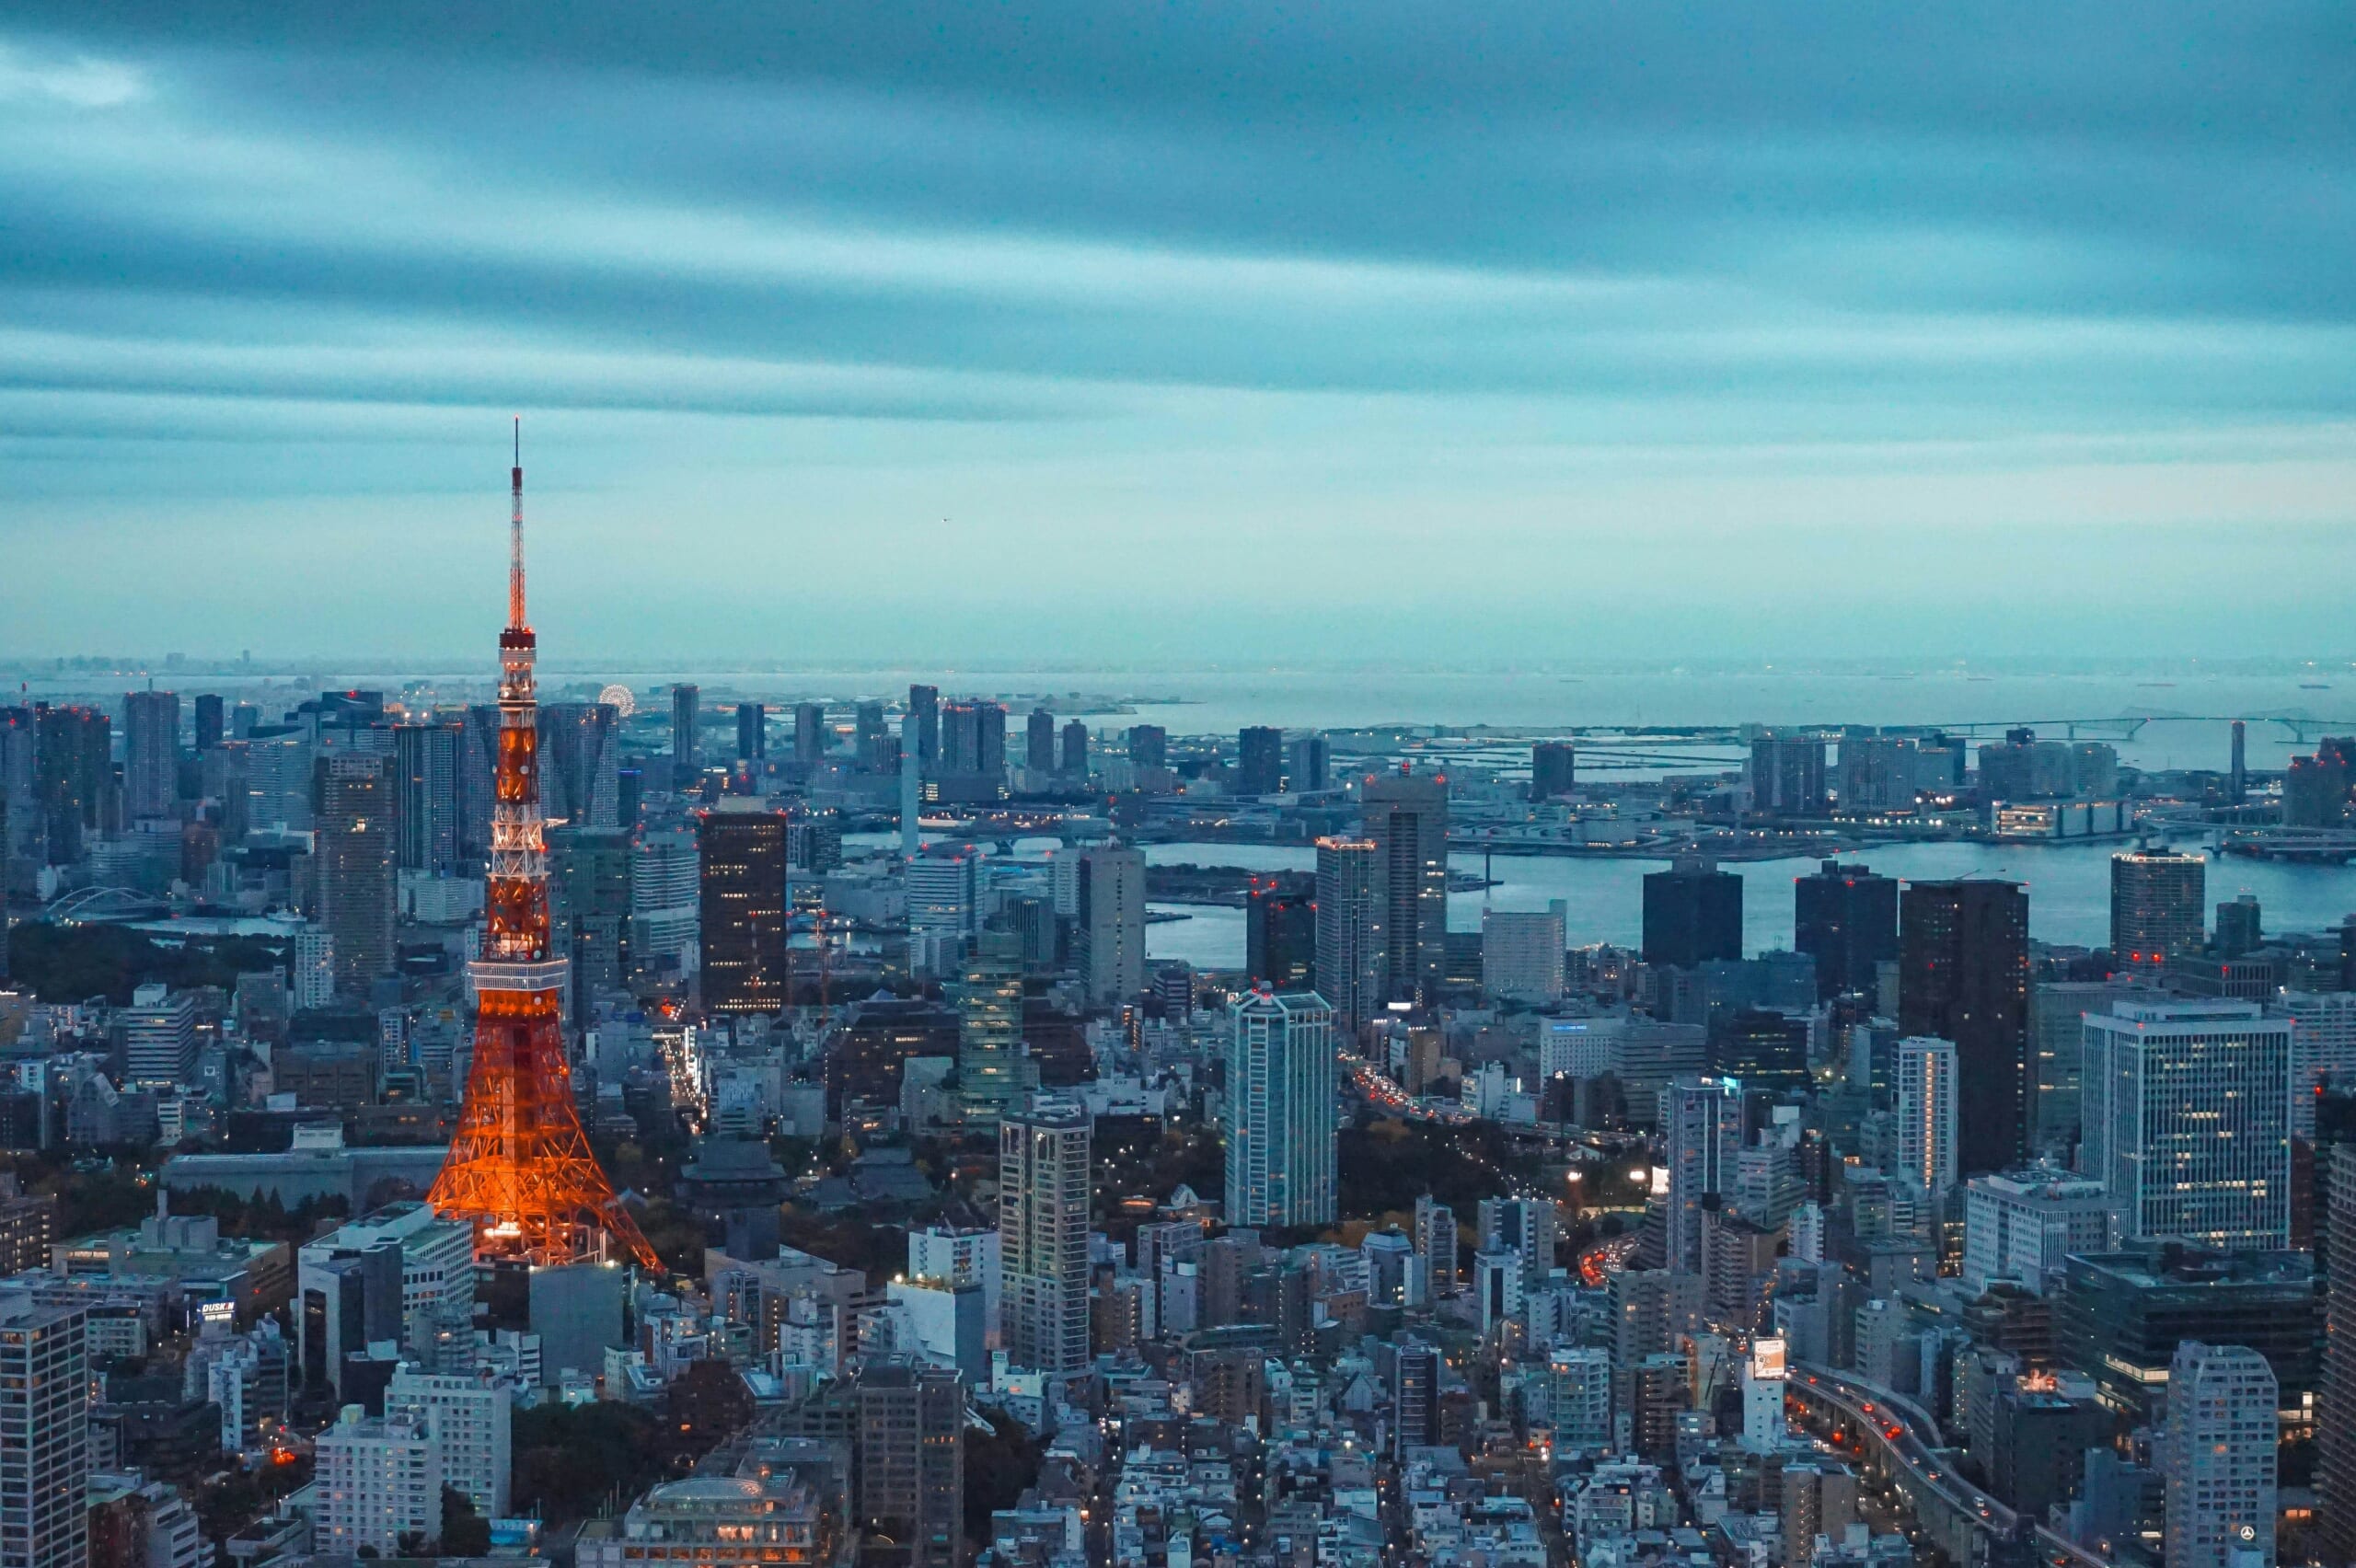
{"x": 520, "y": 1167}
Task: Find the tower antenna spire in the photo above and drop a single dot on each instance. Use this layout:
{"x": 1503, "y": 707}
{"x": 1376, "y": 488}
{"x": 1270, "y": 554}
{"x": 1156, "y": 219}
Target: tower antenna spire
{"x": 515, "y": 538}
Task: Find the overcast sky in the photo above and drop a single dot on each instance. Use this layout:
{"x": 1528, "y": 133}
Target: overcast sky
{"x": 1094, "y": 329}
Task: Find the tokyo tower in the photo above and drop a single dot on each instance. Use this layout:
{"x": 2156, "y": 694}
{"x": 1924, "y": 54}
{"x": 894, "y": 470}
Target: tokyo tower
{"x": 520, "y": 1167}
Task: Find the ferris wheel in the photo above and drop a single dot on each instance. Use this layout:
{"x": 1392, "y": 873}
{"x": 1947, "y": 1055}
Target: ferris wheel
{"x": 619, "y": 699}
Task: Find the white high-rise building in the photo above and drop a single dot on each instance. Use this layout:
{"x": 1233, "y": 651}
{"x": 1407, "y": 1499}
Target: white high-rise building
{"x": 44, "y": 1436}
{"x": 2323, "y": 1049}
{"x": 2217, "y": 1457}
{"x": 666, "y": 898}
{"x": 312, "y": 979}
{"x": 1043, "y": 1196}
{"x": 159, "y": 1036}
{"x": 1521, "y": 953}
{"x": 961, "y": 1257}
{"x": 2024, "y": 1225}
{"x": 377, "y": 1479}
{"x": 2187, "y": 1108}
{"x": 469, "y": 1417}
{"x": 1349, "y": 929}
{"x": 1576, "y": 1392}
{"x": 944, "y": 898}
{"x": 1924, "y": 1083}
{"x": 1282, "y": 1121}
{"x": 1700, "y": 1120}
{"x": 1109, "y": 937}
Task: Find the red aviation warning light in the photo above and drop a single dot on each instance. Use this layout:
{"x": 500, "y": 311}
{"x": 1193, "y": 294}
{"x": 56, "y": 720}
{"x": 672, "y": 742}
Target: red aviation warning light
{"x": 521, "y": 1166}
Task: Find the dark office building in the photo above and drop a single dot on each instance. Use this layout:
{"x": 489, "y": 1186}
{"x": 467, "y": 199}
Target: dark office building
{"x": 589, "y": 906}
{"x": 1075, "y": 763}
{"x": 1787, "y": 775}
{"x": 810, "y": 733}
{"x": 1845, "y": 917}
{"x": 1766, "y": 1049}
{"x": 1259, "y": 760}
{"x": 1039, "y": 740}
{"x": 743, "y": 846}
{"x": 687, "y": 735}
{"x": 2119, "y": 1317}
{"x": 210, "y": 726}
{"x": 353, "y": 857}
{"x": 2240, "y": 924}
{"x": 972, "y": 740}
{"x": 1280, "y": 933}
{"x": 1692, "y": 914}
{"x": 873, "y": 1049}
{"x": 924, "y": 710}
{"x": 2336, "y": 1413}
{"x": 752, "y": 732}
{"x": 1148, "y": 745}
{"x": 1553, "y": 769}
{"x": 73, "y": 770}
{"x": 911, "y": 1457}
{"x": 1963, "y": 975}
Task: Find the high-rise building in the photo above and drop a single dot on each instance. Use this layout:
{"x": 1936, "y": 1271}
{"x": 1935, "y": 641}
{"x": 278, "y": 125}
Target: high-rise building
{"x": 354, "y": 846}
{"x": 1039, "y": 742}
{"x": 1043, "y": 1194}
{"x": 2158, "y": 899}
{"x": 973, "y": 741}
{"x": 809, "y": 733}
{"x": 2217, "y": 1457}
{"x": 1525, "y": 1228}
{"x": 1700, "y": 1120}
{"x": 1416, "y": 1396}
{"x": 924, "y": 708}
{"x": 1281, "y": 1123}
{"x": 151, "y": 752}
{"x": 378, "y": 1481}
{"x": 741, "y": 845}
{"x": 210, "y": 729}
{"x": 425, "y": 797}
{"x": 579, "y": 744}
{"x": 2336, "y": 1414}
{"x": 752, "y": 732}
{"x": 868, "y": 731}
{"x": 589, "y": 890}
{"x": 469, "y": 1417}
{"x": 1845, "y": 917}
{"x": 1148, "y": 745}
{"x": 1692, "y": 914}
{"x": 2323, "y": 1050}
{"x": 1522, "y": 954}
{"x": 1553, "y": 769}
{"x": 1259, "y": 760}
{"x": 159, "y": 1036}
{"x": 1405, "y": 816}
{"x": 1075, "y": 758}
{"x": 1308, "y": 763}
{"x": 943, "y": 893}
{"x": 2240, "y": 925}
{"x": 2057, "y": 1040}
{"x": 687, "y": 735}
{"x": 2237, "y": 770}
{"x": 74, "y": 772}
{"x": 1436, "y": 1244}
{"x": 45, "y": 1435}
{"x": 2187, "y": 1111}
{"x": 666, "y": 898}
{"x": 1109, "y": 937}
{"x": 911, "y": 1453}
{"x": 2024, "y": 1225}
{"x": 1925, "y": 1082}
{"x": 991, "y": 1064}
{"x": 1963, "y": 975}
{"x": 1280, "y": 936}
{"x": 1350, "y": 928}
{"x": 1787, "y": 775}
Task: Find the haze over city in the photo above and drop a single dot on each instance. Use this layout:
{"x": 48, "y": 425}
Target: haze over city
{"x": 1375, "y": 331}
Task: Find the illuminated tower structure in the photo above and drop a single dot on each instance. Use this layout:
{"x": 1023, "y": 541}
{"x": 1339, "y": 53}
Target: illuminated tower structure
{"x": 520, "y": 1167}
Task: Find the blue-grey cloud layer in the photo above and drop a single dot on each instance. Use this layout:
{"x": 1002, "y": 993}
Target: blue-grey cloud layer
{"x": 1251, "y": 303}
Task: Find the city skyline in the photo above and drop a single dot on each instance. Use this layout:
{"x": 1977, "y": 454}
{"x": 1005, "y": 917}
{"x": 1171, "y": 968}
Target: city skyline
{"x": 942, "y": 330}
